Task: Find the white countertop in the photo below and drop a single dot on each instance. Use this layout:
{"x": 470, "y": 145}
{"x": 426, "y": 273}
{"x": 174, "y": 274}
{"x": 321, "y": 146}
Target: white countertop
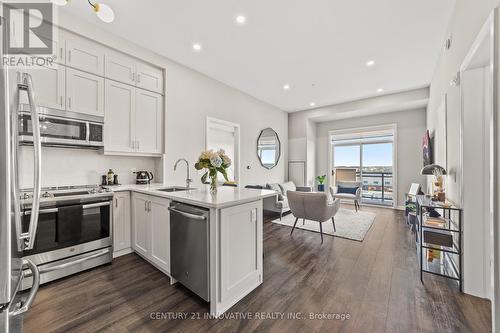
{"x": 226, "y": 196}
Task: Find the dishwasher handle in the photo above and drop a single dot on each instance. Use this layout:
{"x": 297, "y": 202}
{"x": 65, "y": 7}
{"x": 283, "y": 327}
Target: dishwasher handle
{"x": 188, "y": 215}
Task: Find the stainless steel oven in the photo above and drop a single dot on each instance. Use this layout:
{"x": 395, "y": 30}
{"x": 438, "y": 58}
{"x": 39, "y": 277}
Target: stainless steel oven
{"x": 74, "y": 232}
{"x": 62, "y": 129}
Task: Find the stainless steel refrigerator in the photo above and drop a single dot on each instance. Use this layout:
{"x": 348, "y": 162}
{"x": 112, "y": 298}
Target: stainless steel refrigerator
{"x": 13, "y": 240}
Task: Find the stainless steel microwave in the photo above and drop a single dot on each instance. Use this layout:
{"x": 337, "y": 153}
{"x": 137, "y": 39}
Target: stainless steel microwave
{"x": 61, "y": 128}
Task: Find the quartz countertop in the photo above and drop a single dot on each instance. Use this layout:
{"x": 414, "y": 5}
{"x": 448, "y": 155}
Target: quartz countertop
{"x": 226, "y": 196}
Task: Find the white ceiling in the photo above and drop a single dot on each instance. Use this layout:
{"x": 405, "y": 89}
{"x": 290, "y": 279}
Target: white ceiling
{"x": 298, "y": 42}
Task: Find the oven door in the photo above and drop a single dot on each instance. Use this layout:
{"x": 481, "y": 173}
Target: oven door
{"x": 65, "y": 231}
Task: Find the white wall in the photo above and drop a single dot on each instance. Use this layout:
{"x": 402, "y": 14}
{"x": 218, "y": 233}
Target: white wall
{"x": 410, "y": 129}
{"x": 190, "y": 97}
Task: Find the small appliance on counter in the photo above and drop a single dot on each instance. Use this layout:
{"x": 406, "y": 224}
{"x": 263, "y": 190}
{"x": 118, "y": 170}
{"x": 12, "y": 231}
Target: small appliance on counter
{"x": 143, "y": 177}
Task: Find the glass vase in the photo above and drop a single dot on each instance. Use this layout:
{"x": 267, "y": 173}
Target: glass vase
{"x": 213, "y": 184}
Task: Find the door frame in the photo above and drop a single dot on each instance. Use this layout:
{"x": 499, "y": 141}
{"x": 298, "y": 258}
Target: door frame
{"x": 491, "y": 30}
{"x": 214, "y": 121}
{"x": 394, "y": 128}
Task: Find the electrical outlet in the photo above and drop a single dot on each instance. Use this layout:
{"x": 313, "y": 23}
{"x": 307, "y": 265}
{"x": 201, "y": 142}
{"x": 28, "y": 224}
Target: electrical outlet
{"x": 133, "y": 170}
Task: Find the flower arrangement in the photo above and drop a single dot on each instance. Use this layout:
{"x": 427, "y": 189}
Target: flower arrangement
{"x": 213, "y": 162}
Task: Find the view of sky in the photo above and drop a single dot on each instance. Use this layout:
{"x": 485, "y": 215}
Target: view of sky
{"x": 379, "y": 154}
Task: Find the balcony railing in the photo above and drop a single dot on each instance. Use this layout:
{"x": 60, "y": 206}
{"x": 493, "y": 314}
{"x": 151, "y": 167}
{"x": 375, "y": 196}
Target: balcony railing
{"x": 377, "y": 187}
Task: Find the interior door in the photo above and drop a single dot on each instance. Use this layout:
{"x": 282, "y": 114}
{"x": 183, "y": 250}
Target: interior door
{"x": 85, "y": 92}
{"x": 119, "y": 110}
{"x": 160, "y": 232}
{"x": 141, "y": 224}
{"x": 148, "y": 121}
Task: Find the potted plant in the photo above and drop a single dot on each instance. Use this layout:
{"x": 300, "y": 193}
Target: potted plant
{"x": 321, "y": 183}
{"x": 213, "y": 162}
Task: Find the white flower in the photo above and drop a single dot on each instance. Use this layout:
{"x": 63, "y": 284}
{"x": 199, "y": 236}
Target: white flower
{"x": 216, "y": 161}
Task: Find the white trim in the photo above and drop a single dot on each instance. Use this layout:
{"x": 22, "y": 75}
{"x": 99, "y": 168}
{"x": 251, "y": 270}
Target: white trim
{"x": 394, "y": 128}
{"x": 222, "y": 124}
{"x": 489, "y": 30}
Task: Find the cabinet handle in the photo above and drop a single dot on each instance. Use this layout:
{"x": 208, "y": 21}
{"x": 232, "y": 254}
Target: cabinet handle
{"x": 138, "y": 78}
{"x": 145, "y": 206}
{"x": 116, "y": 202}
{"x": 69, "y": 56}
{"x": 60, "y": 53}
{"x": 149, "y": 206}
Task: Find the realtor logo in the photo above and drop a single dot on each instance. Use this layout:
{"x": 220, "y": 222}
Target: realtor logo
{"x": 29, "y": 26}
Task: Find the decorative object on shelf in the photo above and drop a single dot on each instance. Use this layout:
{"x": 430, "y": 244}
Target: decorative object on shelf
{"x": 214, "y": 162}
{"x": 427, "y": 149}
{"x": 103, "y": 11}
{"x": 437, "y": 171}
{"x": 321, "y": 183}
{"x": 268, "y": 148}
{"x": 438, "y": 239}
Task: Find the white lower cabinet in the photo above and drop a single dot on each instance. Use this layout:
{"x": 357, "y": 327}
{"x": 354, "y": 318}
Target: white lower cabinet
{"x": 151, "y": 229}
{"x": 121, "y": 224}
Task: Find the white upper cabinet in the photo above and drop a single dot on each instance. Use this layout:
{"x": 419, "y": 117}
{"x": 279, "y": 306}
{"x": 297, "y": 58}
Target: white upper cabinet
{"x": 50, "y": 86}
{"x": 119, "y": 67}
{"x": 84, "y": 54}
{"x": 149, "y": 77}
{"x": 119, "y": 110}
{"x": 148, "y": 122}
{"x": 84, "y": 92}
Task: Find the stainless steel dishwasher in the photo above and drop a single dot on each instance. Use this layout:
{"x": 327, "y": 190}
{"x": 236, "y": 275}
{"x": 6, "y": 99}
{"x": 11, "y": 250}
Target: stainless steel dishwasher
{"x": 189, "y": 247}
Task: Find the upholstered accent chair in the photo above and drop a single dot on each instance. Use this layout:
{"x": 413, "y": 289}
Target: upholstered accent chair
{"x": 279, "y": 203}
{"x": 314, "y": 207}
{"x": 348, "y": 190}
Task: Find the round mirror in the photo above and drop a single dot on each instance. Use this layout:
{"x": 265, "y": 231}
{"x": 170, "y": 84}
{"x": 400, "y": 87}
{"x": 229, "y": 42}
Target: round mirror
{"x": 268, "y": 148}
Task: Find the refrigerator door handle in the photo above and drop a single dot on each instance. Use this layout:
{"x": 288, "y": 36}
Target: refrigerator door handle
{"x": 29, "y": 237}
{"x": 25, "y": 306}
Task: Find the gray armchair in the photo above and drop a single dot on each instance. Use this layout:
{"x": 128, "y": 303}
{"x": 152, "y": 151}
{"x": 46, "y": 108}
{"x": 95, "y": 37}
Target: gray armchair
{"x": 355, "y": 196}
{"x": 314, "y": 207}
{"x": 279, "y": 203}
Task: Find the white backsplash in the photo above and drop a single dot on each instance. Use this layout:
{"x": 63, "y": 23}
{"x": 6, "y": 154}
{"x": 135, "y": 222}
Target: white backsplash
{"x": 62, "y": 166}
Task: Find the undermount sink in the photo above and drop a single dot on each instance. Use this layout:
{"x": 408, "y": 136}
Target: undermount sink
{"x": 174, "y": 189}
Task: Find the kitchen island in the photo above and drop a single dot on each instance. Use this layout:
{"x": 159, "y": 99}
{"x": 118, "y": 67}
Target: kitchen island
{"x": 235, "y": 240}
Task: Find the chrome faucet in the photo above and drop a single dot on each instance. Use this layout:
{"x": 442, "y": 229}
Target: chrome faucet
{"x": 188, "y": 179}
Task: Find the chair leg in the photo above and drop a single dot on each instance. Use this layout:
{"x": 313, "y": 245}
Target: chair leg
{"x": 296, "y": 219}
{"x": 356, "y": 205}
{"x": 333, "y": 221}
{"x": 281, "y": 215}
{"x": 321, "y": 231}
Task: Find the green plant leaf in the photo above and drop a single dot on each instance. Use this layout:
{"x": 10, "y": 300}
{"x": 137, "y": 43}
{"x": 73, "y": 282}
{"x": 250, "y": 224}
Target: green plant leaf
{"x": 204, "y": 177}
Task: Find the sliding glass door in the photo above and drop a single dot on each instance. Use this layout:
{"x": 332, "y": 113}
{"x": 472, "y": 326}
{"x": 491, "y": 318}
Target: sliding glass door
{"x": 369, "y": 160}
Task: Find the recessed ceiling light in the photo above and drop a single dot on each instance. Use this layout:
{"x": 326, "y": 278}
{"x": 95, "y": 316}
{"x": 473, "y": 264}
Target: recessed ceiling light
{"x": 286, "y": 87}
{"x": 379, "y": 90}
{"x": 370, "y": 63}
{"x": 240, "y": 19}
{"x": 312, "y": 104}
{"x": 197, "y": 46}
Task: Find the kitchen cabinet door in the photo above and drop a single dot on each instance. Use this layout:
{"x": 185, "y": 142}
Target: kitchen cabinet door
{"x": 148, "y": 122}
{"x": 118, "y": 113}
{"x": 49, "y": 84}
{"x": 140, "y": 224}
{"x": 160, "y": 232}
{"x": 149, "y": 77}
{"x": 240, "y": 250}
{"x": 119, "y": 67}
{"x": 84, "y": 54}
{"x": 84, "y": 92}
{"x": 121, "y": 222}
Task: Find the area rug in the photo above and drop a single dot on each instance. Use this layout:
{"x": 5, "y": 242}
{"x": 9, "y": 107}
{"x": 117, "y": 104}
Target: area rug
{"x": 349, "y": 224}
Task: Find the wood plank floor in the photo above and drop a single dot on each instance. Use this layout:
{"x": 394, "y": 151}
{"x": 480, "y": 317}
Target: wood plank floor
{"x": 375, "y": 282}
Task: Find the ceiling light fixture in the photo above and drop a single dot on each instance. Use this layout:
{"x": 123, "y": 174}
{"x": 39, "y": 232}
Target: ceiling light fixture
{"x": 197, "y": 47}
{"x": 312, "y": 104}
{"x": 103, "y": 11}
{"x": 286, "y": 87}
{"x": 370, "y": 63}
{"x": 240, "y": 19}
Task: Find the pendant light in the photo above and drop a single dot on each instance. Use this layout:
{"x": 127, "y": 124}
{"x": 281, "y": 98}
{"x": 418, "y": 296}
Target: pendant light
{"x": 103, "y": 11}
